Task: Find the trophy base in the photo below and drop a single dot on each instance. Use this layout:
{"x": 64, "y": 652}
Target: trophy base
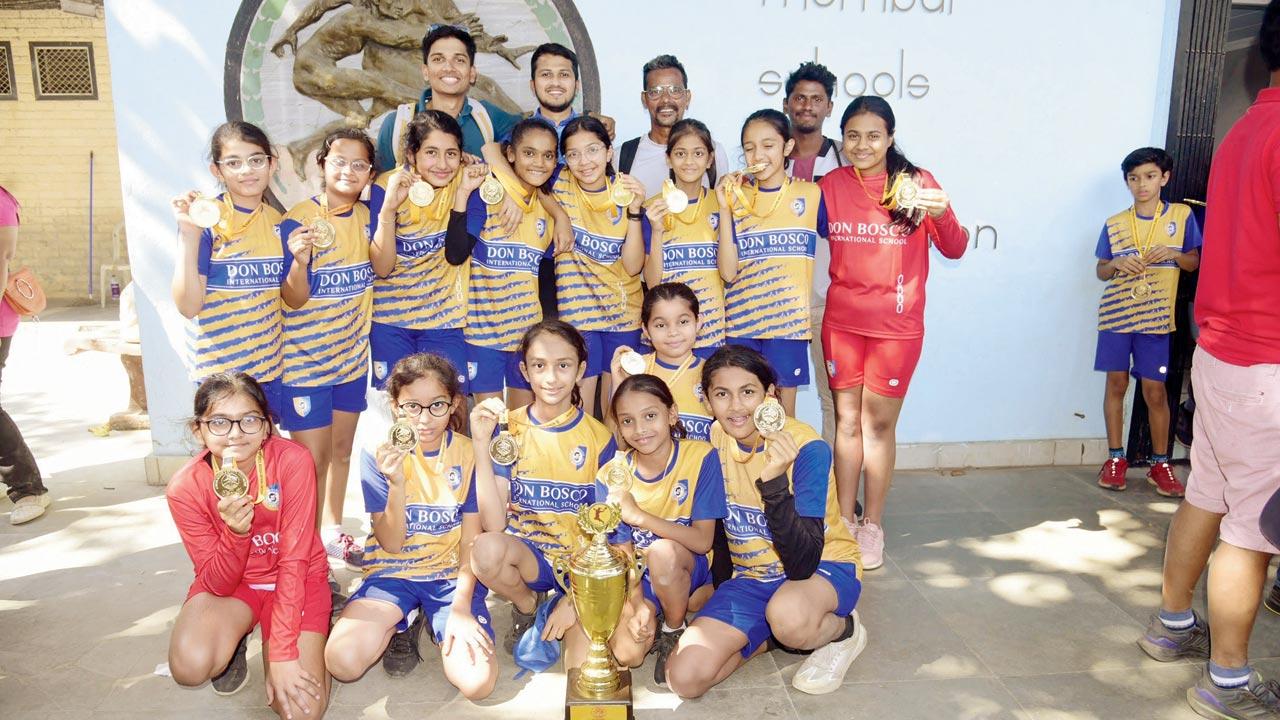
{"x": 614, "y": 706}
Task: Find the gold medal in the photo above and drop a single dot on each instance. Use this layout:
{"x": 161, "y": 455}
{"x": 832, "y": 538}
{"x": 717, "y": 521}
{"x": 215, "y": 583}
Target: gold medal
{"x": 632, "y": 363}
{"x": 421, "y": 193}
{"x": 205, "y": 213}
{"x": 676, "y": 199}
{"x": 620, "y": 194}
{"x": 230, "y": 481}
{"x": 755, "y": 168}
{"x": 402, "y": 435}
{"x": 769, "y": 416}
{"x": 1141, "y": 290}
{"x": 323, "y": 233}
{"x": 504, "y": 448}
{"x": 907, "y": 194}
{"x": 491, "y": 191}
{"x": 618, "y": 475}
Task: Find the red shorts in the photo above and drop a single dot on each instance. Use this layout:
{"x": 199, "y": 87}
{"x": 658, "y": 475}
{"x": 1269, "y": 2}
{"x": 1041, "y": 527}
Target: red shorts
{"x": 317, "y": 603}
{"x": 883, "y": 365}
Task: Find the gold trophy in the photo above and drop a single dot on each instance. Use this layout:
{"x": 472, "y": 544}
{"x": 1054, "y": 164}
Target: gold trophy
{"x": 230, "y": 481}
{"x": 598, "y": 578}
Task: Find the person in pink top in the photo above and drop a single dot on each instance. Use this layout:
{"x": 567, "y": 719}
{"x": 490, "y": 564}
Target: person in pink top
{"x": 1235, "y": 460}
{"x": 257, "y": 557}
{"x": 18, "y": 468}
{"x": 873, "y": 328}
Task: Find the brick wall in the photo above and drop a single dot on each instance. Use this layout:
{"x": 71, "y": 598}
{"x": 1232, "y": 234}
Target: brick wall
{"x": 44, "y": 157}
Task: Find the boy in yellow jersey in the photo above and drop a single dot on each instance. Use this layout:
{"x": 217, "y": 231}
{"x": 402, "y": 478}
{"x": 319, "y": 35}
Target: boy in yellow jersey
{"x": 1141, "y": 253}
{"x": 796, "y": 567}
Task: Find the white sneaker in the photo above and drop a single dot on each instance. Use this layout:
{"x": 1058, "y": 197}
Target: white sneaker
{"x": 871, "y": 540}
{"x": 28, "y": 508}
{"x": 824, "y": 670}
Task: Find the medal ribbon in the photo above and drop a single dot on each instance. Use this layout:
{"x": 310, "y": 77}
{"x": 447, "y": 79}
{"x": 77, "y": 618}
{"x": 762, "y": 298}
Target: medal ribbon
{"x": 326, "y": 213}
{"x": 438, "y": 208}
{"x": 229, "y": 221}
{"x": 524, "y": 198}
{"x": 593, "y": 203}
{"x": 1144, "y": 246}
{"x": 675, "y": 375}
{"x": 749, "y": 206}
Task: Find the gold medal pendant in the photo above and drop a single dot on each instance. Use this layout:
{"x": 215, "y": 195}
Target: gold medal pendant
{"x": 621, "y": 196}
{"x": 618, "y": 476}
{"x": 323, "y": 233}
{"x": 676, "y": 199}
{"x": 421, "y": 193}
{"x": 205, "y": 213}
{"x": 755, "y": 168}
{"x": 402, "y": 436}
{"x": 1141, "y": 291}
{"x": 504, "y": 448}
{"x": 769, "y": 417}
{"x": 907, "y": 195}
{"x": 230, "y": 481}
{"x": 491, "y": 191}
{"x": 632, "y": 363}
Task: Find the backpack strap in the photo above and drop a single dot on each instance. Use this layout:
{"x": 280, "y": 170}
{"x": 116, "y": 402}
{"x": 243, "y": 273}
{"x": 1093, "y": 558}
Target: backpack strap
{"x": 480, "y": 114}
{"x": 627, "y": 155}
{"x": 404, "y": 114}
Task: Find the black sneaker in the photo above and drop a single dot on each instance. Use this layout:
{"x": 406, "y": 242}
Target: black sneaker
{"x": 236, "y": 675}
{"x": 401, "y": 655}
{"x": 1167, "y": 645}
{"x": 1258, "y": 700}
{"x": 1272, "y": 602}
{"x": 663, "y": 647}
{"x": 522, "y": 621}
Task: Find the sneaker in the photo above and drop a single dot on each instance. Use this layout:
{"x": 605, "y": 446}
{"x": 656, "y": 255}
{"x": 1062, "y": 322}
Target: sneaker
{"x": 1272, "y": 601}
{"x": 401, "y": 655}
{"x": 28, "y": 508}
{"x": 1259, "y": 700}
{"x": 851, "y": 526}
{"x": 1167, "y": 645}
{"x": 344, "y": 548}
{"x": 1111, "y": 476}
{"x": 823, "y": 671}
{"x": 236, "y": 675}
{"x": 1166, "y": 483}
{"x": 871, "y": 540}
{"x": 522, "y": 621}
{"x": 663, "y": 647}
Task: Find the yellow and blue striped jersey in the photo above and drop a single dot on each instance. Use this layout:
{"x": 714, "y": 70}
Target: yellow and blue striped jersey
{"x": 1119, "y": 311}
{"x": 326, "y": 341}
{"x": 690, "y": 488}
{"x": 423, "y": 292}
{"x": 685, "y": 382}
{"x": 813, "y": 484}
{"x": 554, "y": 476}
{"x": 439, "y": 487}
{"x": 238, "y": 327}
{"x": 503, "y": 296}
{"x": 769, "y": 298}
{"x": 690, "y": 248}
{"x": 594, "y": 292}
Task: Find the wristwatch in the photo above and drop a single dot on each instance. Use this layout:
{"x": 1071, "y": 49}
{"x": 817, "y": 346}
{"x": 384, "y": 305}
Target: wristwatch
{"x": 634, "y": 215}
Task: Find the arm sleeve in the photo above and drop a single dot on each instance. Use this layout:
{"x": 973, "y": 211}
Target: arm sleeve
{"x": 948, "y": 234}
{"x": 297, "y": 478}
{"x": 1103, "y": 251}
{"x": 708, "y": 496}
{"x": 205, "y": 254}
{"x": 1191, "y": 237}
{"x": 457, "y": 241}
{"x": 218, "y": 555}
{"x": 377, "y": 196}
{"x": 646, "y": 231}
{"x": 811, "y": 473}
{"x": 373, "y": 484}
{"x": 606, "y": 454}
{"x": 469, "y": 504}
{"x": 287, "y": 226}
{"x": 798, "y": 540}
{"x": 822, "y": 216}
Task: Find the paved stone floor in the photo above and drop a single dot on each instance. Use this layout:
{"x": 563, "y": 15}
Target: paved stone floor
{"x": 1005, "y": 594}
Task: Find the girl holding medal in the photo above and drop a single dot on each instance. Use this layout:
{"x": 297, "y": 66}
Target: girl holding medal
{"x": 419, "y": 299}
{"x": 256, "y": 555}
{"x": 675, "y": 497}
{"x": 417, "y": 569}
{"x": 769, "y": 230}
{"x": 503, "y": 287}
{"x": 671, "y": 321}
{"x": 885, "y": 213}
{"x": 529, "y": 500}
{"x": 226, "y": 280}
{"x": 328, "y": 300}
{"x": 597, "y": 281}
{"x": 796, "y": 573}
{"x": 680, "y": 230}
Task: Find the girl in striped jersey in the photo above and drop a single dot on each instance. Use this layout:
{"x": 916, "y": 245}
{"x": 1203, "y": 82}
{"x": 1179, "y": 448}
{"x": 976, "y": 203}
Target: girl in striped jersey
{"x": 328, "y": 297}
{"x": 420, "y": 299}
{"x": 529, "y": 509}
{"x": 417, "y": 565}
{"x": 503, "y": 290}
{"x": 227, "y": 278}
{"x": 682, "y": 247}
{"x": 769, "y": 231}
{"x": 671, "y": 320}
{"x": 597, "y": 282}
{"x": 672, "y": 507}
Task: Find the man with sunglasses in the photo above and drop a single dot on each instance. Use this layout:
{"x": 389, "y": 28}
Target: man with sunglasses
{"x": 666, "y": 95}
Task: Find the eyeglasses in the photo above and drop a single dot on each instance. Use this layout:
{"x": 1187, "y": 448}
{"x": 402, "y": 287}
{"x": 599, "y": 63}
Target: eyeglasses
{"x": 439, "y": 408}
{"x": 359, "y": 166}
{"x": 255, "y": 162}
{"x": 672, "y": 91}
{"x": 249, "y": 425}
{"x": 590, "y": 152}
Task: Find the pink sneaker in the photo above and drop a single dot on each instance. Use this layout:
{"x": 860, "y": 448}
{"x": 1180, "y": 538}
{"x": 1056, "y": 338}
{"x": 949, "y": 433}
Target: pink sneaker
{"x": 871, "y": 540}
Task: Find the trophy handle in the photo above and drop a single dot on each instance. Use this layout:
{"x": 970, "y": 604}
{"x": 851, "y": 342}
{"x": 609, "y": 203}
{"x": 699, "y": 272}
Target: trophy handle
{"x": 560, "y": 570}
{"x": 636, "y": 568}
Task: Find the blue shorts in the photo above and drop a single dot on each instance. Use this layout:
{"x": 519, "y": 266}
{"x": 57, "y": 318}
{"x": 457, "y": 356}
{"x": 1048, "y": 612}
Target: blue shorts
{"x": 489, "y": 369}
{"x": 308, "y": 408}
{"x": 433, "y": 596}
{"x": 389, "y": 344}
{"x": 272, "y": 389}
{"x": 700, "y": 576}
{"x": 601, "y": 346}
{"x": 740, "y": 602}
{"x": 705, "y": 353}
{"x": 790, "y": 358}
{"x": 546, "y": 581}
{"x": 1150, "y": 354}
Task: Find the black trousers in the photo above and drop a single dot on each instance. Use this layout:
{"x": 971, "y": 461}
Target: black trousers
{"x": 18, "y": 467}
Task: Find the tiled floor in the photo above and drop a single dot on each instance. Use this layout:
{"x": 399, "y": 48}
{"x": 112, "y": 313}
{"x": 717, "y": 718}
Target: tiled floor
{"x": 1005, "y": 594}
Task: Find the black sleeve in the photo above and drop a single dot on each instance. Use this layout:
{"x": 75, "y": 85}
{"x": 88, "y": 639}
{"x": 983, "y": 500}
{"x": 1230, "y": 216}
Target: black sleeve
{"x": 457, "y": 242}
{"x": 798, "y": 540}
{"x": 721, "y": 560}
